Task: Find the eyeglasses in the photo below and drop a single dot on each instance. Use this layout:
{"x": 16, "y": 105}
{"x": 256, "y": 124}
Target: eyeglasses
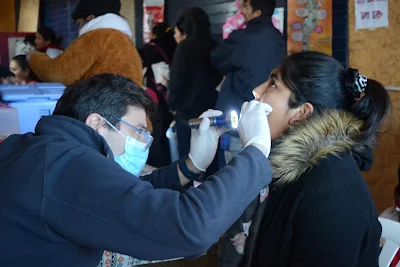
{"x": 140, "y": 135}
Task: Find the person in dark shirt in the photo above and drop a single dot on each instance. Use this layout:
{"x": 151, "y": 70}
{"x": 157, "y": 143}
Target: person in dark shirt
{"x": 71, "y": 190}
{"x": 194, "y": 79}
{"x": 246, "y": 58}
{"x": 161, "y": 48}
{"x": 318, "y": 210}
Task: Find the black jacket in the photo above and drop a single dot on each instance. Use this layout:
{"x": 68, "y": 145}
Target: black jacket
{"x": 194, "y": 79}
{"x": 320, "y": 211}
{"x": 154, "y": 52}
{"x": 64, "y": 200}
{"x": 247, "y": 58}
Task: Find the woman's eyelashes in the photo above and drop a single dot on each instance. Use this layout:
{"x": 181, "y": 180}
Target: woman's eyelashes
{"x": 272, "y": 85}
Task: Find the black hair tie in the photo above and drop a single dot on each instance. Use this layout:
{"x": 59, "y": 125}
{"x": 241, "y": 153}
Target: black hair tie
{"x": 355, "y": 83}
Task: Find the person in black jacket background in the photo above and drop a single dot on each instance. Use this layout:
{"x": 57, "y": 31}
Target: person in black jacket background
{"x": 194, "y": 79}
{"x": 160, "y": 49}
{"x": 319, "y": 211}
{"x": 247, "y": 58}
{"x": 71, "y": 189}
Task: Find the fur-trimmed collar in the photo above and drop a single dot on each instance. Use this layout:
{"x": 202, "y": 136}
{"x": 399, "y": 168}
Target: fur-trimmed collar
{"x": 107, "y": 21}
{"x": 331, "y": 133}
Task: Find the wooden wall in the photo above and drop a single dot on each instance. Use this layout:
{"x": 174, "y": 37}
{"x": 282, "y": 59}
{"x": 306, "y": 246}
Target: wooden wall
{"x": 7, "y": 16}
{"x": 28, "y": 15}
{"x": 376, "y": 54}
{"x": 128, "y": 11}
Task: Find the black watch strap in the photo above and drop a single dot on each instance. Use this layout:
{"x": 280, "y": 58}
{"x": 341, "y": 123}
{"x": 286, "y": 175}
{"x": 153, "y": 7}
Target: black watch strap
{"x": 188, "y": 173}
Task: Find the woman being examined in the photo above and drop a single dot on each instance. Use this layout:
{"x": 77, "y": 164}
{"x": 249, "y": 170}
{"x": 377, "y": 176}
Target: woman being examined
{"x": 318, "y": 210}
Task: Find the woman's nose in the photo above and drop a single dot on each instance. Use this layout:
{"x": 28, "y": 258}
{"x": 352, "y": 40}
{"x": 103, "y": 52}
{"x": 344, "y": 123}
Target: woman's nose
{"x": 260, "y": 90}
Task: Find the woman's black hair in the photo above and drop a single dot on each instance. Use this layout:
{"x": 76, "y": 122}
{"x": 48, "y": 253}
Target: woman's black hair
{"x": 162, "y": 31}
{"x": 194, "y": 21}
{"x": 23, "y": 64}
{"x": 179, "y": 25}
{"x": 49, "y": 35}
{"x": 322, "y": 81}
{"x": 30, "y": 39}
{"x": 165, "y": 38}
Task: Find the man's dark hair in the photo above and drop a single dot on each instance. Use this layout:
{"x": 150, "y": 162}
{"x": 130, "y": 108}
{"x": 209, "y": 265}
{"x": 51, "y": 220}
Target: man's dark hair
{"x": 109, "y": 95}
{"x": 267, "y": 7}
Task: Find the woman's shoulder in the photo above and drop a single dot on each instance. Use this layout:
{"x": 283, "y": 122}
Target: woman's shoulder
{"x": 340, "y": 170}
{"x": 339, "y": 180}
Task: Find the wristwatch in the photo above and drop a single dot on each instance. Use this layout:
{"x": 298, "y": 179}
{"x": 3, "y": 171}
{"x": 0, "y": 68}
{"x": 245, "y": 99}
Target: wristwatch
{"x": 188, "y": 173}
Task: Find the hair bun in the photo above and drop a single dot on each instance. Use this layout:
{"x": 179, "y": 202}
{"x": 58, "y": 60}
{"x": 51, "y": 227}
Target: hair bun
{"x": 355, "y": 83}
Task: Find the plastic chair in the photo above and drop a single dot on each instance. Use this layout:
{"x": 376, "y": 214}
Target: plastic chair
{"x": 391, "y": 233}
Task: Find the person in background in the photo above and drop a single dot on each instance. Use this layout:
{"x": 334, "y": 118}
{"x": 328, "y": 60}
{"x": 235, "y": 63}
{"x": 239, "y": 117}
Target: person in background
{"x": 160, "y": 49}
{"x": 319, "y": 211}
{"x": 48, "y": 42}
{"x": 194, "y": 79}
{"x": 104, "y": 45}
{"x": 71, "y": 189}
{"x": 20, "y": 68}
{"x": 246, "y": 58}
{"x": 179, "y": 32}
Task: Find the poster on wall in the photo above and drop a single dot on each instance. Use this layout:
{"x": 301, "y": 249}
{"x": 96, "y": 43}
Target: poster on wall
{"x": 371, "y": 14}
{"x": 278, "y": 18}
{"x": 310, "y": 25}
{"x": 153, "y": 13}
{"x": 13, "y": 42}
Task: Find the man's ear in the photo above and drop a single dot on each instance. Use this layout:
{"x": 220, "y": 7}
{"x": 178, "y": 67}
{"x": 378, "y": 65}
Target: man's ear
{"x": 258, "y": 13}
{"x": 95, "y": 121}
{"x": 302, "y": 112}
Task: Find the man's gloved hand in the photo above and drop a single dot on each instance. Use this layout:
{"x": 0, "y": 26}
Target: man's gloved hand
{"x": 253, "y": 125}
{"x": 204, "y": 141}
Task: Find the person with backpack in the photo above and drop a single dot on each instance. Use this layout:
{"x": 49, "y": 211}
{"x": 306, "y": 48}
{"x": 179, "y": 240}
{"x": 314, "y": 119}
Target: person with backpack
{"x": 159, "y": 50}
{"x": 194, "y": 79}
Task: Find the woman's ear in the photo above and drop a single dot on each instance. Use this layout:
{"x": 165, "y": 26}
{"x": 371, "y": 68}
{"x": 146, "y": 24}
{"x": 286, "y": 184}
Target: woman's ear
{"x": 302, "y": 112}
{"x": 26, "y": 72}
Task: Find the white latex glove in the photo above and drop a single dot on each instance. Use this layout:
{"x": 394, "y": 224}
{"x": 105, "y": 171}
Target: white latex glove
{"x": 253, "y": 125}
{"x": 204, "y": 141}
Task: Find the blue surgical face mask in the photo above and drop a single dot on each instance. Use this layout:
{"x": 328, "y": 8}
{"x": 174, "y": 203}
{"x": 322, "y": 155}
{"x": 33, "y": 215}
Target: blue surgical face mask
{"x": 135, "y": 157}
{"x": 136, "y": 154}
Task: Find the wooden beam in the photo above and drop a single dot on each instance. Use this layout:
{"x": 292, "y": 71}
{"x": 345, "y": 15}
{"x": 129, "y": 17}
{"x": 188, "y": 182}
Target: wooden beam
{"x": 28, "y": 16}
{"x": 7, "y": 16}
